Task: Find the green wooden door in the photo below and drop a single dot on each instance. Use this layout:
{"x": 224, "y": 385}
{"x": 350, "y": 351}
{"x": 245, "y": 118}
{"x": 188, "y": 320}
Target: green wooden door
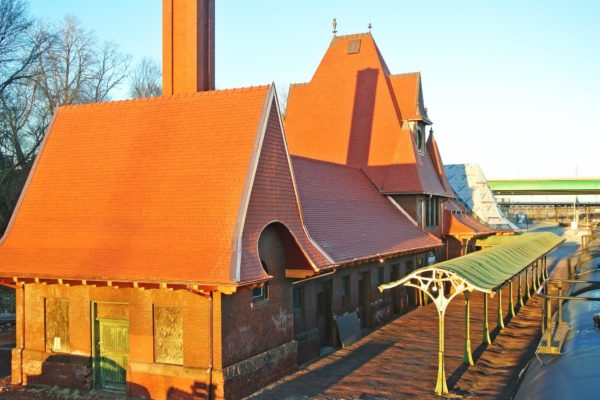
{"x": 113, "y": 353}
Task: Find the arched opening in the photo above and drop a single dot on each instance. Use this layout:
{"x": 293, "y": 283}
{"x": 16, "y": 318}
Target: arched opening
{"x": 285, "y": 261}
{"x": 277, "y": 245}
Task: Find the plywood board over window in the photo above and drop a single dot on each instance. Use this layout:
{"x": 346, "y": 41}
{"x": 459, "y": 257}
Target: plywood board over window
{"x": 168, "y": 335}
{"x": 57, "y": 325}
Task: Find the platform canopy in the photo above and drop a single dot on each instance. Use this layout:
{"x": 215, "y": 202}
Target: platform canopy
{"x": 490, "y": 269}
{"x": 497, "y": 240}
{"x": 486, "y": 271}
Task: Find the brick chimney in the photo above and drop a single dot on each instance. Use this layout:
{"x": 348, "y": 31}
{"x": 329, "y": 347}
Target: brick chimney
{"x": 188, "y": 46}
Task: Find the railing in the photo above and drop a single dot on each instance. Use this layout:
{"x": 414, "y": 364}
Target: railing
{"x": 555, "y": 331}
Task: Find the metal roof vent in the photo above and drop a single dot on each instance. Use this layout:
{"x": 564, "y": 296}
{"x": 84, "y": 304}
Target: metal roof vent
{"x": 354, "y": 46}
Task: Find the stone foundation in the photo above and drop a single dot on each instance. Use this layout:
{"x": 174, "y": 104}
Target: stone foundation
{"x": 246, "y": 377}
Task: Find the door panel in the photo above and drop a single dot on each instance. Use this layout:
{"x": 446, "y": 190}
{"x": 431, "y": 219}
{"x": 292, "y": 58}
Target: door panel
{"x": 325, "y": 312}
{"x": 364, "y": 299}
{"x": 113, "y": 353}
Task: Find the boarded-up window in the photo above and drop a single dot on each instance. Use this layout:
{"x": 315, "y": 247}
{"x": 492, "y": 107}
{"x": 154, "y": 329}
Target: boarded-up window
{"x": 57, "y": 325}
{"x": 168, "y": 335}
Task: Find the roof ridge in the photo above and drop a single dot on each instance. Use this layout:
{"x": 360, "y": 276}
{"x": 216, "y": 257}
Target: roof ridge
{"x": 164, "y": 98}
{"x": 299, "y": 84}
{"x": 353, "y": 35}
{"x": 405, "y": 74}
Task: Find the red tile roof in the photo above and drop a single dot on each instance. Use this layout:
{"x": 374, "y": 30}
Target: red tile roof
{"x": 338, "y": 106}
{"x": 152, "y": 190}
{"x": 350, "y": 114}
{"x": 436, "y": 159}
{"x": 348, "y": 218}
{"x": 409, "y": 95}
{"x": 458, "y": 221}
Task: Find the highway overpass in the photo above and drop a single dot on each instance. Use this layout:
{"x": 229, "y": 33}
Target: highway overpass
{"x": 566, "y": 186}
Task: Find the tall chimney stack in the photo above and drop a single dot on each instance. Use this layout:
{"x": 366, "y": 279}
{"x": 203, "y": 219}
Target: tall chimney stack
{"x": 188, "y": 46}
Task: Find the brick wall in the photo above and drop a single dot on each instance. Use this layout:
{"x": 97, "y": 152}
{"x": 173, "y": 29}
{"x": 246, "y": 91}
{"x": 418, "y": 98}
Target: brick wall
{"x": 411, "y": 204}
{"x": 453, "y": 247}
{"x": 379, "y": 307}
{"x": 251, "y": 328}
{"x": 145, "y": 378}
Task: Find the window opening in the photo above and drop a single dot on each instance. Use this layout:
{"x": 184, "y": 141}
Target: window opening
{"x": 261, "y": 292}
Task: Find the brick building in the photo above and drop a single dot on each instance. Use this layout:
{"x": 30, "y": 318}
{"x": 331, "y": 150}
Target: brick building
{"x": 159, "y": 248}
{"x": 143, "y": 235}
{"x": 172, "y": 247}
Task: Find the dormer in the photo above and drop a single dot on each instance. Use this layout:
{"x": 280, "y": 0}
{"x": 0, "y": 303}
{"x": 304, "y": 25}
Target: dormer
{"x": 409, "y": 94}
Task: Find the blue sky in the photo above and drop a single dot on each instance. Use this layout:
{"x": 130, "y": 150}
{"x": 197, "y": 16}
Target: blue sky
{"x": 510, "y": 85}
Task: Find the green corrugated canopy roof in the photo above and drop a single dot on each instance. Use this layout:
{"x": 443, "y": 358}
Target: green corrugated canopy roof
{"x": 496, "y": 240}
{"x": 488, "y": 270}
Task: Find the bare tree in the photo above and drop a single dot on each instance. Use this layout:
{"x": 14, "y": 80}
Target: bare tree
{"x": 18, "y": 48}
{"x": 42, "y": 68}
{"x": 75, "y": 69}
{"x": 20, "y": 134}
{"x": 146, "y": 79}
{"x": 20, "y": 45}
{"x": 20, "y": 137}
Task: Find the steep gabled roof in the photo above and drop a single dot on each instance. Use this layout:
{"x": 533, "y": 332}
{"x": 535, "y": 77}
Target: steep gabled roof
{"x": 349, "y": 113}
{"x": 348, "y": 218}
{"x": 427, "y": 175}
{"x": 149, "y": 190}
{"x": 346, "y": 114}
{"x": 436, "y": 158}
{"x": 409, "y": 94}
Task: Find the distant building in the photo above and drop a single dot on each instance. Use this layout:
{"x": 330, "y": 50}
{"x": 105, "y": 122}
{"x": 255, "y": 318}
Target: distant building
{"x": 469, "y": 183}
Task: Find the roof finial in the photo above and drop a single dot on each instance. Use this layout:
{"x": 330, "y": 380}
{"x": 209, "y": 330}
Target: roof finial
{"x": 334, "y": 25}
{"x": 370, "y": 26}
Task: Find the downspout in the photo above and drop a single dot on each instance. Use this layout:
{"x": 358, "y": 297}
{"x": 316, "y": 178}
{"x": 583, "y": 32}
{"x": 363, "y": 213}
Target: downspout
{"x": 16, "y": 286}
{"x": 22, "y": 344}
{"x": 209, "y": 370}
